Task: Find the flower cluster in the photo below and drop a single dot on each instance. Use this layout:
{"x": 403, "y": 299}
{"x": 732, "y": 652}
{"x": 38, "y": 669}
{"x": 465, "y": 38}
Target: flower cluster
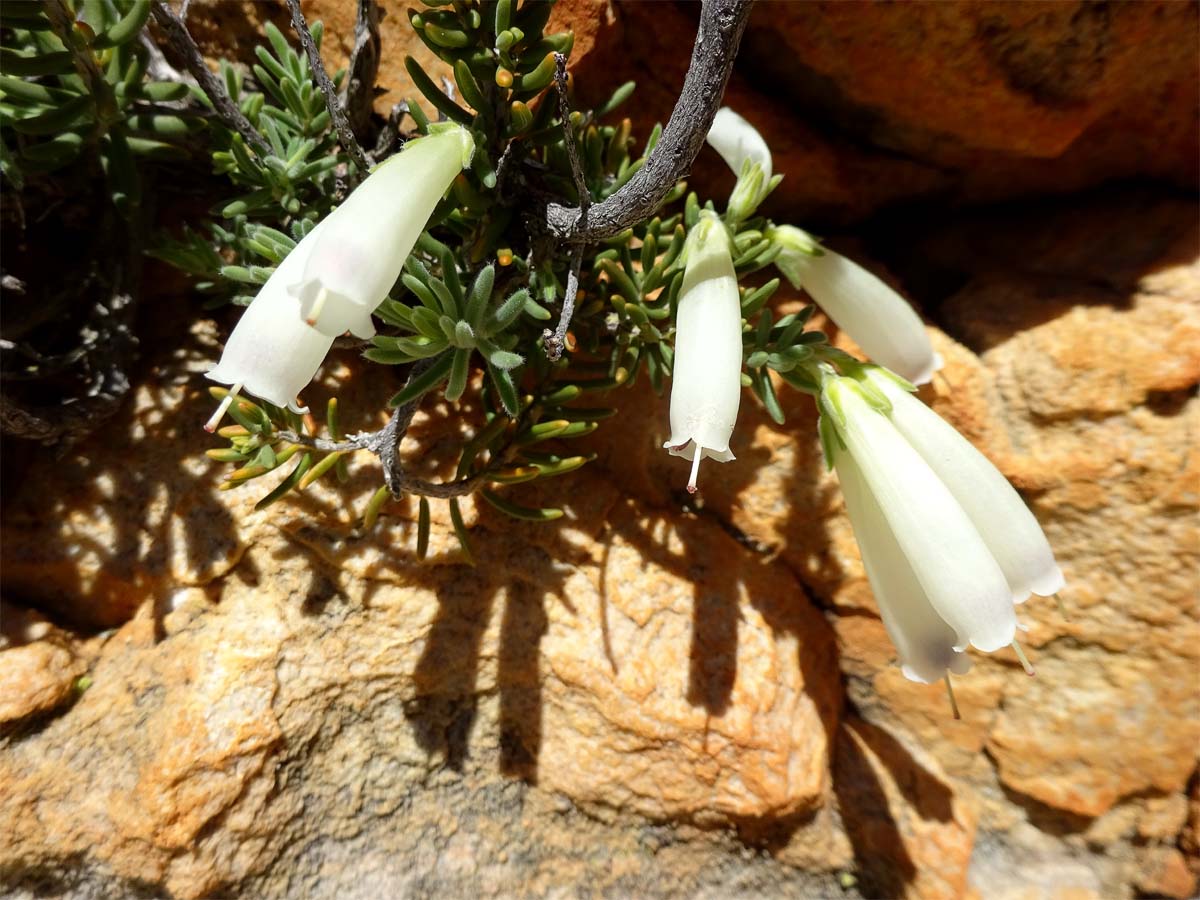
{"x": 948, "y": 545}
{"x": 342, "y": 270}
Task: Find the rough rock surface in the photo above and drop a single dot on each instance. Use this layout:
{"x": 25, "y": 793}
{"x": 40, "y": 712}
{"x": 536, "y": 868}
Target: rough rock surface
{"x": 869, "y": 104}
{"x": 626, "y": 700}
{"x": 656, "y": 696}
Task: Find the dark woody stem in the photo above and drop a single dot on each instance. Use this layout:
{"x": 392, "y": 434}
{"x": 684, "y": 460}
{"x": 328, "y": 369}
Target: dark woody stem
{"x": 340, "y": 123}
{"x": 722, "y": 23}
{"x": 183, "y": 44}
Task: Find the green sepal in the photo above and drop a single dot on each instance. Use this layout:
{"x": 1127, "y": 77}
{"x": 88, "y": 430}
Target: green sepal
{"x": 766, "y": 392}
{"x": 831, "y": 441}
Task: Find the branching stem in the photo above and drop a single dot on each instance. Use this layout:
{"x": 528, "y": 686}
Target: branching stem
{"x": 385, "y": 444}
{"x": 717, "y": 38}
{"x": 556, "y": 340}
{"x": 340, "y": 123}
{"x": 179, "y": 38}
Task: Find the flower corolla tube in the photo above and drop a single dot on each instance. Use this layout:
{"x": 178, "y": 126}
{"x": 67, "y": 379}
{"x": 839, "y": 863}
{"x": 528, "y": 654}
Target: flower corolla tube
{"x": 706, "y": 386}
{"x": 367, "y": 239}
{"x": 947, "y": 544}
{"x": 272, "y": 352}
{"x": 340, "y": 272}
{"x": 878, "y": 319}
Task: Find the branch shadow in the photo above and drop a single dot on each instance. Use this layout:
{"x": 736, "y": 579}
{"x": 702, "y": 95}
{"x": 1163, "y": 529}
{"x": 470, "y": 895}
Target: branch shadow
{"x": 129, "y": 513}
{"x": 1076, "y": 247}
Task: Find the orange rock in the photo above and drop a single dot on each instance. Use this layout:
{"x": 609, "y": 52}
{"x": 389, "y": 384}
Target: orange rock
{"x": 634, "y": 661}
{"x": 36, "y": 678}
{"x": 989, "y": 100}
{"x": 1165, "y": 873}
{"x": 912, "y": 831}
{"x": 866, "y": 106}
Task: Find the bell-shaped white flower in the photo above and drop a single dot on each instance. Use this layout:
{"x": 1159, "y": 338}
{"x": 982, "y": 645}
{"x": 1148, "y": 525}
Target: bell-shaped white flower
{"x": 706, "y": 385}
{"x": 877, "y": 318}
{"x": 939, "y": 554}
{"x": 365, "y": 241}
{"x": 272, "y": 352}
{"x": 1011, "y": 533}
{"x": 923, "y": 640}
{"x": 344, "y": 268}
{"x": 747, "y": 154}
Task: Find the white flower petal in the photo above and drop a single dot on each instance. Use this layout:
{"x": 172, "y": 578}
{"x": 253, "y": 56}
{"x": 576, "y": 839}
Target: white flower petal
{"x": 923, "y": 641}
{"x": 737, "y": 141}
{"x": 954, "y": 567}
{"x": 272, "y": 353}
{"x": 1009, "y": 529}
{"x": 706, "y": 387}
{"x": 367, "y": 239}
{"x": 876, "y": 317}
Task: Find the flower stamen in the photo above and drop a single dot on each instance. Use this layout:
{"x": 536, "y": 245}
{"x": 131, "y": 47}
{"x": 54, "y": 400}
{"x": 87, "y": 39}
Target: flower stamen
{"x": 318, "y": 305}
{"x": 211, "y": 425}
{"x": 691, "y": 485}
{"x": 1062, "y": 610}
{"x": 1025, "y": 664}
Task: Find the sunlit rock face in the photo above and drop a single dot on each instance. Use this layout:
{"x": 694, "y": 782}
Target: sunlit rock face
{"x": 649, "y": 698}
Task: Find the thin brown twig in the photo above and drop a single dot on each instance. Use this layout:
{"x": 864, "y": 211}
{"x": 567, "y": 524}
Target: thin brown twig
{"x": 340, "y": 123}
{"x": 717, "y": 38}
{"x": 564, "y": 115}
{"x": 385, "y": 444}
{"x": 181, "y": 40}
{"x": 555, "y": 340}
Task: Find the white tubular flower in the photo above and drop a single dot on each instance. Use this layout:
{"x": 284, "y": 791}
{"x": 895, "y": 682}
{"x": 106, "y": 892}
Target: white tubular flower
{"x": 945, "y": 560}
{"x": 272, "y": 353}
{"x": 923, "y": 640}
{"x": 877, "y": 318}
{"x": 747, "y": 154}
{"x": 366, "y": 240}
{"x": 1006, "y": 525}
{"x": 706, "y": 385}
